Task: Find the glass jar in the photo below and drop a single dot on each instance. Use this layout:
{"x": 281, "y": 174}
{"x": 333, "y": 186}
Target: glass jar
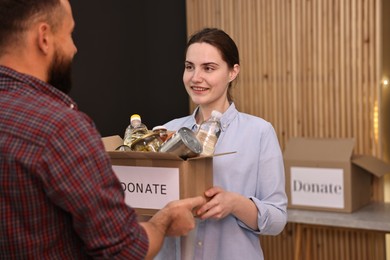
{"x": 150, "y": 142}
{"x": 162, "y": 131}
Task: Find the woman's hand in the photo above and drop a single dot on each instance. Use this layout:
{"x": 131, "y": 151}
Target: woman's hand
{"x": 220, "y": 204}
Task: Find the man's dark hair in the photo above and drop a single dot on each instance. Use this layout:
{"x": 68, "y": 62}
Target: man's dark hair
{"x": 17, "y": 15}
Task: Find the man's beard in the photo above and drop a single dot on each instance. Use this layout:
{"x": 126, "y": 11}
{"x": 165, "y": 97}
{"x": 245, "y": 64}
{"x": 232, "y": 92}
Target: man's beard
{"x": 60, "y": 73}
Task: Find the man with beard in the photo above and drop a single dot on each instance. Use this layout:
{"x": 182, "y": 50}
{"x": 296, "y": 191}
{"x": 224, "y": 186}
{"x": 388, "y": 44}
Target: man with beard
{"x": 59, "y": 198}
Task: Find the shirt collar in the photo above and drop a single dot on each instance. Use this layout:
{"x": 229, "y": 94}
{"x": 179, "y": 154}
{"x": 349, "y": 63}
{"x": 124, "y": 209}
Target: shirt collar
{"x": 227, "y": 117}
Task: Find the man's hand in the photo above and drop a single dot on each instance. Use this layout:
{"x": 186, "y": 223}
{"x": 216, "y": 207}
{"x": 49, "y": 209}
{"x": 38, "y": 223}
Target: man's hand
{"x": 182, "y": 216}
{"x": 175, "y": 219}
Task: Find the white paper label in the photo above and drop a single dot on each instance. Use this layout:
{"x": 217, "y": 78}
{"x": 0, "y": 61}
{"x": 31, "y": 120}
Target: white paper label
{"x": 317, "y": 187}
{"x": 148, "y": 187}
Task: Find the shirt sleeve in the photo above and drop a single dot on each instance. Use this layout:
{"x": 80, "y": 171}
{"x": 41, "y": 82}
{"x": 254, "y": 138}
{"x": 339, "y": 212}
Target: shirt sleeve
{"x": 270, "y": 199}
{"x": 79, "y": 179}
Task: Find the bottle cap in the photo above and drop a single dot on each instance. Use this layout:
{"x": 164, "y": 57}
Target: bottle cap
{"x": 216, "y": 114}
{"x": 135, "y": 117}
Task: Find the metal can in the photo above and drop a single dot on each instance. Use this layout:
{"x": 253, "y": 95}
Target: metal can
{"x": 182, "y": 143}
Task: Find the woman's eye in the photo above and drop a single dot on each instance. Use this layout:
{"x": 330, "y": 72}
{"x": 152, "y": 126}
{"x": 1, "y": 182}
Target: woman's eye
{"x": 188, "y": 67}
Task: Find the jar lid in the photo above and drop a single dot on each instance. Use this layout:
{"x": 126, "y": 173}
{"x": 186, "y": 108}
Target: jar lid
{"x": 159, "y": 127}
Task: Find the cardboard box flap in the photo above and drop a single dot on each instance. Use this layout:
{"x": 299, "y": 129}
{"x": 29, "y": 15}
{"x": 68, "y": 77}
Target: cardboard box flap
{"x": 319, "y": 149}
{"x": 211, "y": 156}
{"x": 143, "y": 155}
{"x": 112, "y": 142}
{"x": 372, "y": 164}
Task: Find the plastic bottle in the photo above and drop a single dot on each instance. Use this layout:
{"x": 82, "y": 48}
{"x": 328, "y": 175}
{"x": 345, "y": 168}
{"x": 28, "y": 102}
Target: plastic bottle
{"x": 135, "y": 130}
{"x": 208, "y": 133}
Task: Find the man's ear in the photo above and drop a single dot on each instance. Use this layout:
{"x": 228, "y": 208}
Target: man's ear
{"x": 44, "y": 37}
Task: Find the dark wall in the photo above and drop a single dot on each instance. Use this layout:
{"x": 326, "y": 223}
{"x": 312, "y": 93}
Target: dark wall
{"x": 130, "y": 60}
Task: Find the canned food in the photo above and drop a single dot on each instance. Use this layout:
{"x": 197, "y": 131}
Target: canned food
{"x": 150, "y": 142}
{"x": 182, "y": 143}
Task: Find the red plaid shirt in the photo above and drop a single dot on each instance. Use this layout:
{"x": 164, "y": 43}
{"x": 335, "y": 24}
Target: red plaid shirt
{"x": 59, "y": 198}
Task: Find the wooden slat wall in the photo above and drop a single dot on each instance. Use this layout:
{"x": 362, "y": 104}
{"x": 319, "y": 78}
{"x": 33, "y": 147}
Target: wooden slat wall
{"x": 311, "y": 68}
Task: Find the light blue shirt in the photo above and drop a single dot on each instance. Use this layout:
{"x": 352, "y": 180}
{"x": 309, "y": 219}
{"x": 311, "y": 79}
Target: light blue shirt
{"x": 256, "y": 171}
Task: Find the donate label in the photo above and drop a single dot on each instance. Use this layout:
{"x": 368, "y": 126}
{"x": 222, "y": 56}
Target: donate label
{"x": 148, "y": 187}
{"x": 317, "y": 187}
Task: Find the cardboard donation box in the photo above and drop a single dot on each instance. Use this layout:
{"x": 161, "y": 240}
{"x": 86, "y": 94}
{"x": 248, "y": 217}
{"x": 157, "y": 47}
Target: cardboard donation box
{"x": 152, "y": 179}
{"x": 323, "y": 174}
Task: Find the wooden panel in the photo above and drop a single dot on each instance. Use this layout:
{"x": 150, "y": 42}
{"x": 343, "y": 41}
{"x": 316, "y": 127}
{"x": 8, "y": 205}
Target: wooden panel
{"x": 311, "y": 68}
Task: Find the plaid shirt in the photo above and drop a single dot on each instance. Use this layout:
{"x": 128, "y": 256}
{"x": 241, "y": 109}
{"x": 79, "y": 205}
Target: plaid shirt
{"x": 59, "y": 198}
